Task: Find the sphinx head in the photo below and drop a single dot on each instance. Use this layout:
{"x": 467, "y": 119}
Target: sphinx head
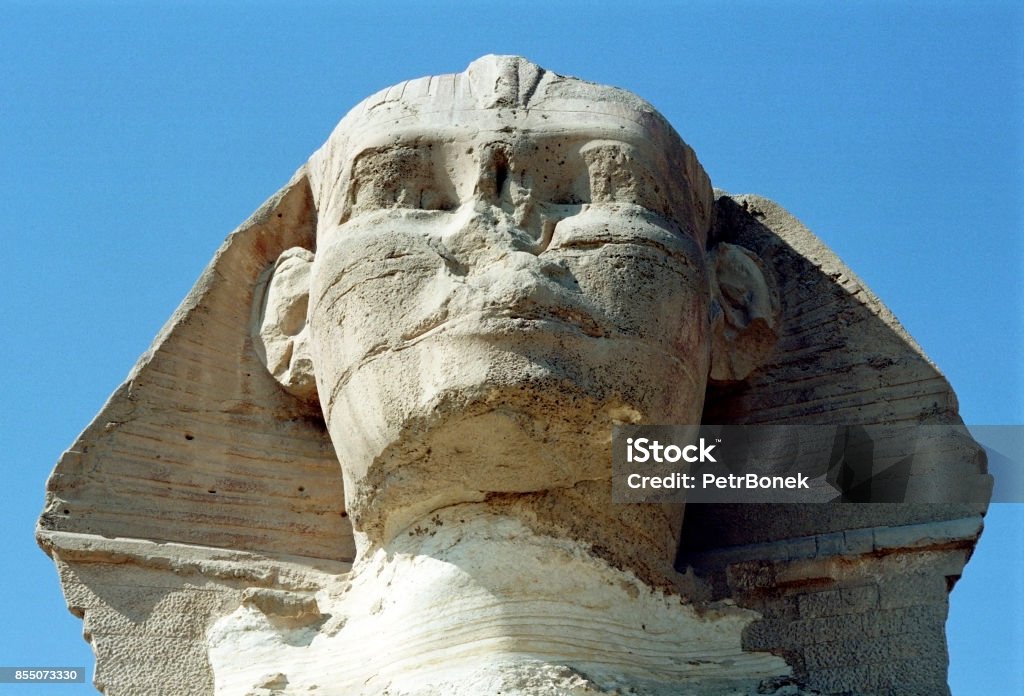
{"x": 508, "y": 262}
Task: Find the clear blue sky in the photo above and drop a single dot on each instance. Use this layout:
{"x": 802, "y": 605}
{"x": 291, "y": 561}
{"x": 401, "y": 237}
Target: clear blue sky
{"x": 133, "y": 137}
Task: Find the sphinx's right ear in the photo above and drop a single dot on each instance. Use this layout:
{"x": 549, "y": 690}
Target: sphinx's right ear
{"x": 280, "y": 330}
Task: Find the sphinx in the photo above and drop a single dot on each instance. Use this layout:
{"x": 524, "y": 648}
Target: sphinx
{"x": 370, "y": 452}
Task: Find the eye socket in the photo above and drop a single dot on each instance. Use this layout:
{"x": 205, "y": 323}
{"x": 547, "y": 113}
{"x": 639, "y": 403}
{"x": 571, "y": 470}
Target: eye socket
{"x": 567, "y": 198}
{"x": 432, "y": 199}
{"x": 559, "y": 176}
{"x": 401, "y": 177}
{"x": 619, "y": 175}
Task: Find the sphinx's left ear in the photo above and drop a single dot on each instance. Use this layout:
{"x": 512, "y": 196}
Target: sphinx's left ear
{"x": 745, "y": 312}
{"x": 280, "y": 331}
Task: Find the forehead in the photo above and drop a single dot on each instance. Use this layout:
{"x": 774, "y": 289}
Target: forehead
{"x": 451, "y": 119}
{"x": 519, "y": 130}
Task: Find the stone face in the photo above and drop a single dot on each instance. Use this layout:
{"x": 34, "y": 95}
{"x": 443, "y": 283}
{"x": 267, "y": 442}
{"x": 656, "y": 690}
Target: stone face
{"x": 456, "y": 298}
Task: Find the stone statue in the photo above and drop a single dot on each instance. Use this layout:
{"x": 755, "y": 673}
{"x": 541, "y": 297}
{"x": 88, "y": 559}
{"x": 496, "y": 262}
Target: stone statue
{"x": 457, "y": 298}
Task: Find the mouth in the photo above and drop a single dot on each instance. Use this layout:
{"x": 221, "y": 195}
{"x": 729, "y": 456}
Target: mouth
{"x": 508, "y": 322}
{"x": 566, "y": 317}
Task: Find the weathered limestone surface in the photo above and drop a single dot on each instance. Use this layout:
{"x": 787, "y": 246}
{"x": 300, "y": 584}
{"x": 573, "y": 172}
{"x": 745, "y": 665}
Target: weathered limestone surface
{"x": 455, "y": 299}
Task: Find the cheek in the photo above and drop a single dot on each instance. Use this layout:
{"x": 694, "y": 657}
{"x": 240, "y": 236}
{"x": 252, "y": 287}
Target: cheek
{"x": 364, "y": 292}
{"x": 643, "y": 293}
{"x": 644, "y": 275}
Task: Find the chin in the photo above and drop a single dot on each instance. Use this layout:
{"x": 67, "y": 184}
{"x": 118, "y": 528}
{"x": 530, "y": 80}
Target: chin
{"x": 417, "y": 429}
